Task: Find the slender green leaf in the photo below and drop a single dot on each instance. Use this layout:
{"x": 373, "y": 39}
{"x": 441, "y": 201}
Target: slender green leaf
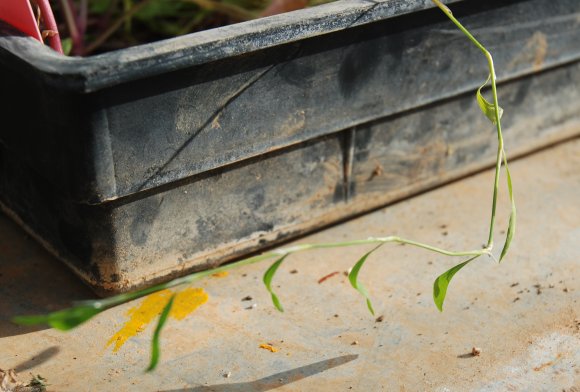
{"x": 442, "y": 282}
{"x": 66, "y": 46}
{"x": 353, "y": 278}
{"x": 155, "y": 350}
{"x": 268, "y": 276}
{"x": 487, "y": 107}
{"x": 512, "y": 223}
{"x": 63, "y": 320}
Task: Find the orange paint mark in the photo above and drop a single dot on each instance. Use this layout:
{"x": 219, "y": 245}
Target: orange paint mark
{"x": 269, "y": 347}
{"x": 185, "y": 302}
{"x": 221, "y": 274}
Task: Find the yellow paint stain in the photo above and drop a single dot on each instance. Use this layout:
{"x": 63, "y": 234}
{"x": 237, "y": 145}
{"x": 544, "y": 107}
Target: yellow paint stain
{"x": 185, "y": 302}
{"x": 269, "y": 347}
{"x": 221, "y": 274}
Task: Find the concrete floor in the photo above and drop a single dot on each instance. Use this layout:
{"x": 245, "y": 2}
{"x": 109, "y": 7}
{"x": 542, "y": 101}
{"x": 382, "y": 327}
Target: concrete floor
{"x": 524, "y": 314}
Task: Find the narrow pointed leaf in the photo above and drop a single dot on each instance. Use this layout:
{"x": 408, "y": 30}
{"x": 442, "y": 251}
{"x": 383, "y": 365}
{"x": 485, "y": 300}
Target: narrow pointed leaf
{"x": 155, "y": 350}
{"x": 353, "y": 278}
{"x": 512, "y": 223}
{"x": 268, "y": 276}
{"x": 487, "y": 107}
{"x": 63, "y": 320}
{"x": 442, "y": 282}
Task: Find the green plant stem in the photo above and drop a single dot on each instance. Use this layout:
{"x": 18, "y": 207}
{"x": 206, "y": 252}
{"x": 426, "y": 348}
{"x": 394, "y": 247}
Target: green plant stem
{"x": 83, "y": 311}
{"x": 500, "y": 149}
{"x": 188, "y": 279}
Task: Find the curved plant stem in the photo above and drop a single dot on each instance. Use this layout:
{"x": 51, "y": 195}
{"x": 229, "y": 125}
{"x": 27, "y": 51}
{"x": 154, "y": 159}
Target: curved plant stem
{"x": 50, "y": 24}
{"x": 115, "y": 26}
{"x": 71, "y": 22}
{"x": 83, "y": 311}
{"x": 500, "y": 148}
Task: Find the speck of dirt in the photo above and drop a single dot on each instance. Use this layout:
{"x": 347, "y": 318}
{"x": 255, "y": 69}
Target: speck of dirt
{"x": 516, "y": 299}
{"x": 355, "y": 343}
{"x": 380, "y": 319}
{"x": 476, "y": 351}
{"x": 294, "y": 271}
{"x": 247, "y": 298}
{"x": 565, "y": 289}
{"x": 514, "y": 284}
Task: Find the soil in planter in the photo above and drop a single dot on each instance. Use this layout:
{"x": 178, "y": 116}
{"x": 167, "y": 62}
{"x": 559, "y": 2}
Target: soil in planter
{"x": 93, "y": 26}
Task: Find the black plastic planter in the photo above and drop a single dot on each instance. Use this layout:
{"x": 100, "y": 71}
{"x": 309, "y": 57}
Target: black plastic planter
{"x": 142, "y": 164}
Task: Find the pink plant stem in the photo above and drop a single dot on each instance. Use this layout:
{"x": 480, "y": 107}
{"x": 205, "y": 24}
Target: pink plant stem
{"x": 50, "y": 24}
{"x": 72, "y": 23}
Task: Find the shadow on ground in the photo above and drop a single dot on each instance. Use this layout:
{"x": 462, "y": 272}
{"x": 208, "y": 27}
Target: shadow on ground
{"x": 275, "y": 380}
{"x": 31, "y": 280}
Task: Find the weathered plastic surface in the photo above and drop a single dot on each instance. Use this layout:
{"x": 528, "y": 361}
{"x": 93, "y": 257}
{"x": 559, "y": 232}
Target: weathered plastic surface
{"x": 137, "y": 165}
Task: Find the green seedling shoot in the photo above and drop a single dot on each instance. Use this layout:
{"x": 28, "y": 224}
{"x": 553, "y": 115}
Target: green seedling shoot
{"x": 83, "y": 311}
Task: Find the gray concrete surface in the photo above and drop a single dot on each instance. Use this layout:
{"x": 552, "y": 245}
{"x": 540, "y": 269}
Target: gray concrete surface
{"x": 522, "y": 314}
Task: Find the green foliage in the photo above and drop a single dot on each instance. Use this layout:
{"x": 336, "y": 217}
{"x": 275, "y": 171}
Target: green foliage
{"x": 442, "y": 282}
{"x": 512, "y": 222}
{"x": 268, "y": 276}
{"x": 353, "y": 278}
{"x": 63, "y": 320}
{"x": 71, "y": 318}
{"x": 155, "y": 347}
{"x": 487, "y": 107}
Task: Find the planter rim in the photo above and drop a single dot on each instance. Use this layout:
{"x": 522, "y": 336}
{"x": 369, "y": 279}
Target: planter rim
{"x": 97, "y": 72}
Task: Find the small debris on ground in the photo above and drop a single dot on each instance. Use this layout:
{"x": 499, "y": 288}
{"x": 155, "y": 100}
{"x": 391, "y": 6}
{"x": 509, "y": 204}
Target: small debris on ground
{"x": 247, "y": 298}
{"x": 377, "y": 171}
{"x": 380, "y": 319}
{"x": 294, "y": 271}
{"x": 9, "y": 382}
{"x": 475, "y": 351}
{"x": 516, "y": 299}
{"x": 514, "y": 284}
{"x": 355, "y": 343}
{"x": 221, "y": 274}
{"x": 269, "y": 347}
{"x": 336, "y": 315}
{"x": 227, "y": 375}
{"x": 328, "y": 276}
{"x": 253, "y": 306}
{"x": 565, "y": 289}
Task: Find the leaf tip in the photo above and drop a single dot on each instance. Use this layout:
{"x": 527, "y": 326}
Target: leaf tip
{"x": 370, "y": 306}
